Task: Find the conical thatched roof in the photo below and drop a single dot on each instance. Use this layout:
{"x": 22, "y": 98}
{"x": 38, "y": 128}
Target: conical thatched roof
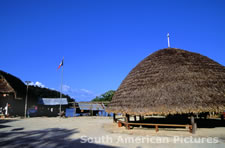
{"x": 171, "y": 81}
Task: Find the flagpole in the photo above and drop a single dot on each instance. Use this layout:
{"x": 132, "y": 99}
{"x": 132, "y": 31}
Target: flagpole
{"x": 60, "y": 107}
{"x": 168, "y": 38}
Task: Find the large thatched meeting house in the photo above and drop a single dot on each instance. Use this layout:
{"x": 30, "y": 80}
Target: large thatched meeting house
{"x": 171, "y": 81}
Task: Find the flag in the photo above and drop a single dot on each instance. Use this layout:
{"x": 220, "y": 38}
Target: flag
{"x": 61, "y": 64}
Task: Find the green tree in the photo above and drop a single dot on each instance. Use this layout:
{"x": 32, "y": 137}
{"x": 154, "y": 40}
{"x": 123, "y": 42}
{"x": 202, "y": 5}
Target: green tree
{"x": 107, "y": 96}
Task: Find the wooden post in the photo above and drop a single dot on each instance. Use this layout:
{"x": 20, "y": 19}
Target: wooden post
{"x": 192, "y": 120}
{"x": 205, "y": 117}
{"x": 156, "y": 128}
{"x": 190, "y": 128}
{"x": 135, "y": 118}
{"x": 126, "y": 120}
{"x": 119, "y": 124}
{"x": 141, "y": 118}
{"x": 114, "y": 118}
{"x": 194, "y": 125}
{"x": 128, "y": 126}
{"x": 91, "y": 110}
{"x": 194, "y": 128}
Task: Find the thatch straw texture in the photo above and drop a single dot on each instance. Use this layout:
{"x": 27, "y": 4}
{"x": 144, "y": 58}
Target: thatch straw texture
{"x": 12, "y": 84}
{"x": 171, "y": 81}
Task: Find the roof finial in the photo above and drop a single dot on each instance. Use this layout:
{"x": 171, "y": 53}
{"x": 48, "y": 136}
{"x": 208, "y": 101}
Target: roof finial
{"x": 168, "y": 37}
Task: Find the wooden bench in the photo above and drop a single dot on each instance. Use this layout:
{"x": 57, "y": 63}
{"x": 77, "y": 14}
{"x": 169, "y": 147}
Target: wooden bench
{"x": 127, "y": 125}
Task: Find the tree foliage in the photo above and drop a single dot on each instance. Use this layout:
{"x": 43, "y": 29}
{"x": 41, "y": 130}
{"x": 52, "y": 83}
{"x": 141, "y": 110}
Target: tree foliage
{"x": 39, "y": 92}
{"x": 107, "y": 96}
{"x": 35, "y": 93}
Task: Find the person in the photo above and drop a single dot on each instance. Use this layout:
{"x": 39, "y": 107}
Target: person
{"x": 6, "y": 110}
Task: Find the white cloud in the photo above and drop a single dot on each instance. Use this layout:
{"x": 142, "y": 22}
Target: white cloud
{"x": 39, "y": 84}
{"x": 86, "y": 91}
{"x": 66, "y": 88}
{"x": 79, "y": 94}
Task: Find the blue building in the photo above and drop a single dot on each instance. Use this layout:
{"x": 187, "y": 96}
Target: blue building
{"x": 51, "y": 106}
{"x": 91, "y": 109}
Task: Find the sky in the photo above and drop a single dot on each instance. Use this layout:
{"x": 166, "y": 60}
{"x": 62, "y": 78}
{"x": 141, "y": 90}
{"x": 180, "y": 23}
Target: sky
{"x": 101, "y": 40}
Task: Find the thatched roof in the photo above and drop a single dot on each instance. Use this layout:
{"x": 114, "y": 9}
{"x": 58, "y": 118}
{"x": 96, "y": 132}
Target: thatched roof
{"x": 11, "y": 84}
{"x": 171, "y": 81}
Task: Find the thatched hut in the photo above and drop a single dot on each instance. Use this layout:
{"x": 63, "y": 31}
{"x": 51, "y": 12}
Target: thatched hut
{"x": 11, "y": 86}
{"x": 171, "y": 81}
{"x": 12, "y": 92}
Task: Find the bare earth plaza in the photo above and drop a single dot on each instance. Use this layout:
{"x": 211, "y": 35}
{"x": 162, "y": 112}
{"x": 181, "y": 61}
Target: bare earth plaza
{"x": 100, "y": 132}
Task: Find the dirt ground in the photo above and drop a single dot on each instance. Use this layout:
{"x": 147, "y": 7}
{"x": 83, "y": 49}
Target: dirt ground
{"x": 95, "y": 132}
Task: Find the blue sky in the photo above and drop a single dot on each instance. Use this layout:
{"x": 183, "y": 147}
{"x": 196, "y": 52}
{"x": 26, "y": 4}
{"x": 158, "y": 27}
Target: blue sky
{"x": 101, "y": 40}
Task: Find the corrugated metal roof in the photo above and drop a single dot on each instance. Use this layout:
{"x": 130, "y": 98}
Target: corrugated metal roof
{"x": 91, "y": 106}
{"x": 53, "y": 101}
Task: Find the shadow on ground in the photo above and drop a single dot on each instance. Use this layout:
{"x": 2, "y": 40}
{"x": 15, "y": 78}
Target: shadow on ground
{"x": 4, "y": 121}
{"x": 51, "y": 137}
